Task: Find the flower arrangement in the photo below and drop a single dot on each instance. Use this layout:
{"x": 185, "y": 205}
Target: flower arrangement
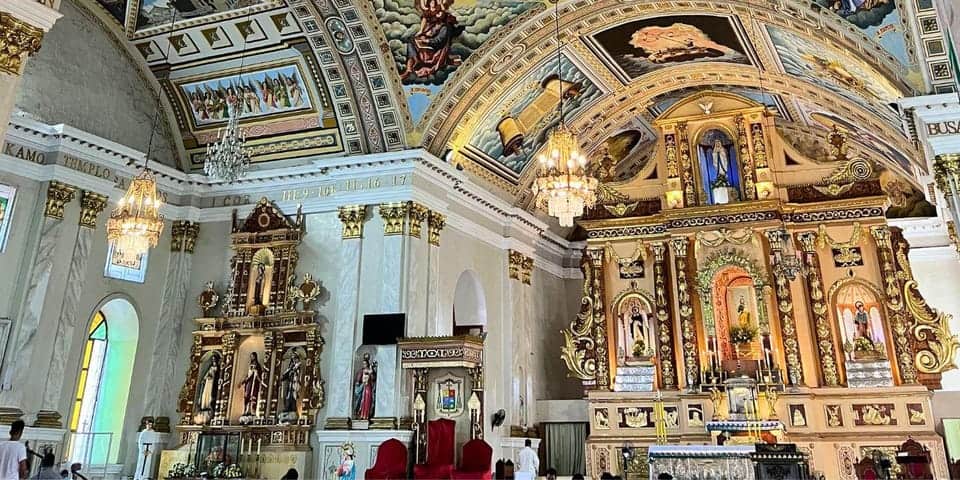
{"x": 232, "y": 471}
{"x": 742, "y": 334}
{"x": 182, "y": 470}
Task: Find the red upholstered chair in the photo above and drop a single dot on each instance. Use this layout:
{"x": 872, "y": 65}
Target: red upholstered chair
{"x": 476, "y": 461}
{"x": 391, "y": 462}
{"x": 440, "y": 438}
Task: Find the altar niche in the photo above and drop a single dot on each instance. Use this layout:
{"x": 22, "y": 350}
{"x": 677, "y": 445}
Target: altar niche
{"x": 636, "y": 343}
{"x": 860, "y": 318}
{"x": 731, "y": 288}
{"x": 254, "y": 368}
{"x": 719, "y": 167}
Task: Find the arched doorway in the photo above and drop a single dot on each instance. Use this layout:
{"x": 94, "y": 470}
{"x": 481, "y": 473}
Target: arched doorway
{"x": 469, "y": 305}
{"x": 103, "y": 383}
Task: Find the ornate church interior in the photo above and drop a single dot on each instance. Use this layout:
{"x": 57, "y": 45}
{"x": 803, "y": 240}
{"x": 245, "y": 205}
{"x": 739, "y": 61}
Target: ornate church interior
{"x": 477, "y": 239}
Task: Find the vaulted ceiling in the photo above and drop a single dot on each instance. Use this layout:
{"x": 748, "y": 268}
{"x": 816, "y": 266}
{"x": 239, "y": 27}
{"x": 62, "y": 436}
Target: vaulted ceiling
{"x": 469, "y": 77}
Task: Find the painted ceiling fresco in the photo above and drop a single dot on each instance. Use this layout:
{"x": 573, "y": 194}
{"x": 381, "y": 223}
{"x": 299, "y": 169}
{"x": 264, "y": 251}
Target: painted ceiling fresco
{"x": 154, "y": 13}
{"x": 430, "y": 39}
{"x": 636, "y": 48}
{"x": 517, "y": 125}
{"x": 774, "y": 102}
{"x": 880, "y": 20}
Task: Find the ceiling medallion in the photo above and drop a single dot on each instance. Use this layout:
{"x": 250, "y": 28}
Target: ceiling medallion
{"x": 563, "y": 185}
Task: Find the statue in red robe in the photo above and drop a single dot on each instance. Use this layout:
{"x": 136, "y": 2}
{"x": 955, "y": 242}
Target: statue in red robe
{"x": 365, "y": 389}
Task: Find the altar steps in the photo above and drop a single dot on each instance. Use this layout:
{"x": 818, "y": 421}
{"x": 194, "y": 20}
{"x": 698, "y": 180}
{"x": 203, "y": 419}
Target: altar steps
{"x": 634, "y": 379}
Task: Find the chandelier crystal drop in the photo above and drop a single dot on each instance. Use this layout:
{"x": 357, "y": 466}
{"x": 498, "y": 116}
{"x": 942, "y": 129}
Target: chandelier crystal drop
{"x": 563, "y": 185}
{"x": 135, "y": 225}
{"x": 227, "y": 159}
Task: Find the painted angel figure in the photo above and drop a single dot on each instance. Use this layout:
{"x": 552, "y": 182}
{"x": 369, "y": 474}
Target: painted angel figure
{"x": 429, "y": 50}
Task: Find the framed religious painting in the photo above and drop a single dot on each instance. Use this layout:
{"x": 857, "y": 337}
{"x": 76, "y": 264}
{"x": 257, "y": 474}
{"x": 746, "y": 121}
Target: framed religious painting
{"x": 7, "y": 195}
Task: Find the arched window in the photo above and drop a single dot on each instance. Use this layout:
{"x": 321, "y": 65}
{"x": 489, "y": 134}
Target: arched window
{"x": 103, "y": 384}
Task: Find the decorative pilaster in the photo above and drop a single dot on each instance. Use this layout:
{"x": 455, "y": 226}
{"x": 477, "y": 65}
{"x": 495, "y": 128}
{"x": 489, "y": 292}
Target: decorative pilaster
{"x": 92, "y": 204}
{"x": 225, "y": 392}
{"x": 743, "y": 148}
{"x": 476, "y": 403}
{"x": 394, "y": 215}
{"x": 173, "y": 305}
{"x": 759, "y": 145}
{"x": 418, "y": 213}
{"x": 788, "y": 324}
{"x": 818, "y": 307}
{"x": 666, "y": 355}
{"x": 900, "y": 322}
{"x": 58, "y": 195}
{"x": 596, "y": 260}
{"x": 353, "y": 218}
{"x": 435, "y": 223}
{"x": 419, "y": 414}
{"x": 691, "y": 354}
{"x": 519, "y": 266}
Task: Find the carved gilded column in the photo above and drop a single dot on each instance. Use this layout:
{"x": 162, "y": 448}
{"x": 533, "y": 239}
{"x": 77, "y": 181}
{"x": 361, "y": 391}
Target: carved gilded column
{"x": 818, "y": 307}
{"x": 171, "y": 320}
{"x": 185, "y": 403}
{"x": 666, "y": 355}
{"x": 91, "y": 205}
{"x": 900, "y": 322}
{"x": 225, "y": 393}
{"x": 686, "y": 167}
{"x": 435, "y": 223}
{"x": 688, "y": 328}
{"x": 22, "y": 25}
{"x": 419, "y": 414}
{"x": 788, "y": 323}
{"x": 600, "y": 348}
{"x": 38, "y": 286}
{"x": 743, "y": 147}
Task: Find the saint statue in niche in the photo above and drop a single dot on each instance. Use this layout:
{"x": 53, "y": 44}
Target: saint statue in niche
{"x": 719, "y": 173}
{"x": 290, "y": 383}
{"x": 206, "y": 399}
{"x": 252, "y": 385}
{"x": 743, "y": 315}
{"x": 861, "y": 320}
{"x": 635, "y": 342}
{"x": 365, "y": 389}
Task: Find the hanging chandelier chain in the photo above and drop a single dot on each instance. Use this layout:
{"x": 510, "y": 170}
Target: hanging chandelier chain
{"x": 556, "y": 21}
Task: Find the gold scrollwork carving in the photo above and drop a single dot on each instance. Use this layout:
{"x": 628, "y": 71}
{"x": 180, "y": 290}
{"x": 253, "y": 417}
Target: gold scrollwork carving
{"x": 435, "y": 223}
{"x": 596, "y": 257}
{"x": 394, "y": 215}
{"x": 759, "y": 145}
{"x": 91, "y": 205}
{"x": 353, "y": 217}
{"x": 418, "y": 213}
{"x": 17, "y": 40}
{"x": 818, "y": 305}
{"x": 686, "y": 166}
{"x": 691, "y": 359}
{"x": 58, "y": 196}
{"x": 577, "y": 349}
{"x": 892, "y": 294}
{"x": 671, "y": 155}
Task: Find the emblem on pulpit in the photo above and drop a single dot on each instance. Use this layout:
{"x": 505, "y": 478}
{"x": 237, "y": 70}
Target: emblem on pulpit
{"x": 450, "y": 396}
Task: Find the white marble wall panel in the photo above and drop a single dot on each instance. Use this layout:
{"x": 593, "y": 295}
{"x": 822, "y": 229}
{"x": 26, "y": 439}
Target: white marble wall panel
{"x": 344, "y": 319}
{"x": 387, "y": 381}
{"x": 68, "y": 318}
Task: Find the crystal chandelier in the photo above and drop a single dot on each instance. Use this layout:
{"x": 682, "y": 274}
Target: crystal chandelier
{"x": 227, "y": 159}
{"x": 563, "y": 184}
{"x": 135, "y": 225}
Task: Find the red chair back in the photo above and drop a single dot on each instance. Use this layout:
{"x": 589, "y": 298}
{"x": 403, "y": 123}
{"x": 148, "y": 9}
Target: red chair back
{"x": 440, "y": 439}
{"x": 477, "y": 456}
{"x": 392, "y": 453}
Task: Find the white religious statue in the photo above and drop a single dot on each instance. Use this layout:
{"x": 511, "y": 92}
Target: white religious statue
{"x": 149, "y": 443}
{"x": 720, "y": 161}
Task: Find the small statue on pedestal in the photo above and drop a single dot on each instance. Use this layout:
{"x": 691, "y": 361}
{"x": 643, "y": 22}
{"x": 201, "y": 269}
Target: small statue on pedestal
{"x": 252, "y": 385}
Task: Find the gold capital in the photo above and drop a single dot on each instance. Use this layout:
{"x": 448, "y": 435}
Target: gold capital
{"x": 808, "y": 241}
{"x": 394, "y": 215}
{"x": 418, "y": 213}
{"x": 183, "y": 236}
{"x": 435, "y": 223}
{"x": 58, "y": 196}
{"x": 881, "y": 233}
{"x": 91, "y": 204}
{"x": 679, "y": 246}
{"x": 17, "y": 40}
{"x": 352, "y": 217}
